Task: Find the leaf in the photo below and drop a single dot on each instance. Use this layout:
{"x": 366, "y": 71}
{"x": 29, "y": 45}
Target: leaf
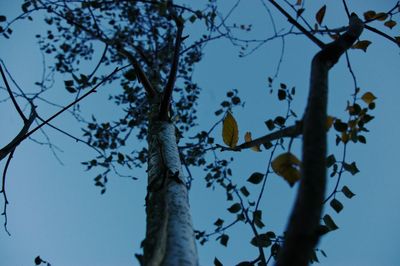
{"x": 362, "y": 45}
{"x": 329, "y": 222}
{"x": 224, "y": 240}
{"x": 281, "y": 94}
{"x": 262, "y": 240}
{"x": 352, "y": 168}
{"x": 235, "y": 208}
{"x": 247, "y": 138}
{"x": 362, "y": 139}
{"x": 329, "y": 122}
{"x": 219, "y": 222}
{"x": 38, "y": 260}
{"x": 323, "y": 253}
{"x": 192, "y": 19}
{"x": 230, "y": 131}
{"x": 287, "y": 166}
{"x": 25, "y": 6}
{"x": 336, "y": 205}
{"x": 257, "y": 219}
{"x": 71, "y": 89}
{"x": 368, "y": 97}
{"x": 319, "y": 16}
{"x": 217, "y": 262}
{"x": 340, "y": 126}
{"x": 390, "y": 24}
{"x": 244, "y": 191}
{"x": 381, "y": 16}
{"x": 298, "y": 2}
{"x": 347, "y": 192}
{"x": 370, "y": 14}
{"x": 330, "y": 160}
{"x": 270, "y": 123}
{"x": 69, "y": 83}
{"x": 255, "y": 178}
{"x": 130, "y": 74}
{"x": 3, "y": 18}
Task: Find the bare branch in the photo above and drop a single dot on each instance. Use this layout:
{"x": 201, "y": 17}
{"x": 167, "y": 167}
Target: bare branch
{"x": 390, "y": 38}
{"x": 3, "y": 191}
{"x": 295, "y": 23}
{"x": 21, "y": 114}
{"x": 71, "y": 104}
{"x": 20, "y": 136}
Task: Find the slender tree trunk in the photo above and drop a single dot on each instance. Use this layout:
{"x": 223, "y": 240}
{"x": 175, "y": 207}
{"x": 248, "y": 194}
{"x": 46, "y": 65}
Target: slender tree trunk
{"x": 302, "y": 233}
{"x": 169, "y": 236}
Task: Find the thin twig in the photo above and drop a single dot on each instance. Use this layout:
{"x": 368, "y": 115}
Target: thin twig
{"x": 297, "y": 24}
{"x": 21, "y": 114}
{"x": 69, "y": 105}
{"x": 3, "y": 191}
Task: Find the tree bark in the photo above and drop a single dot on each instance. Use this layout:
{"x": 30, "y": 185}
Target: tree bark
{"x": 169, "y": 234}
{"x": 302, "y": 232}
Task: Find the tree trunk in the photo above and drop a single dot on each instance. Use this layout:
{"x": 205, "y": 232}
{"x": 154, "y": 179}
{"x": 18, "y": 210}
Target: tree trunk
{"x": 169, "y": 234}
{"x": 302, "y": 232}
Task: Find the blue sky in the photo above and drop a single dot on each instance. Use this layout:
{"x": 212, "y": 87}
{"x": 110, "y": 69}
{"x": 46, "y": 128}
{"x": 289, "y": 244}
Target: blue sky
{"x": 55, "y": 210}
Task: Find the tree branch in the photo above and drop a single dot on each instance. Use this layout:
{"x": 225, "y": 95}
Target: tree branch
{"x": 165, "y": 102}
{"x": 21, "y": 114}
{"x": 382, "y": 34}
{"x": 292, "y": 131}
{"x": 71, "y": 104}
{"x": 139, "y": 72}
{"x": 23, "y": 134}
{"x": 297, "y": 25}
{"x": 20, "y": 136}
{"x": 3, "y": 191}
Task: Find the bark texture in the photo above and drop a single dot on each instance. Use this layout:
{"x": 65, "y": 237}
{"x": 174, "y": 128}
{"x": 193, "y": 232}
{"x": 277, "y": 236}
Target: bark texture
{"x": 169, "y": 236}
{"x": 302, "y": 232}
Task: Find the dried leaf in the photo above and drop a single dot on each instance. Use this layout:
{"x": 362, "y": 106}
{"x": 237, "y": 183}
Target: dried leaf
{"x": 390, "y": 24}
{"x": 247, "y": 138}
{"x": 319, "y": 16}
{"x": 363, "y": 45}
{"x": 230, "y": 131}
{"x": 369, "y": 15}
{"x": 368, "y": 97}
{"x": 381, "y": 16}
{"x": 287, "y": 166}
{"x": 329, "y": 122}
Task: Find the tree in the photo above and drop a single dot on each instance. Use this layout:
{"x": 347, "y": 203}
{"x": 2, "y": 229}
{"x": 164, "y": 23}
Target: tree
{"x": 155, "y": 53}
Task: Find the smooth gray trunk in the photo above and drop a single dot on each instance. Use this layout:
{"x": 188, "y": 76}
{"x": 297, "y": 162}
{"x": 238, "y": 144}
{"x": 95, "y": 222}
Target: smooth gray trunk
{"x": 170, "y": 235}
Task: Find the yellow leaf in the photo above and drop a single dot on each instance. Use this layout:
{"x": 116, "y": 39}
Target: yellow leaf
{"x": 320, "y": 14}
{"x": 345, "y": 137}
{"x": 368, "y": 97}
{"x": 247, "y": 138}
{"x": 329, "y": 122}
{"x": 363, "y": 45}
{"x": 369, "y": 15}
{"x": 230, "y": 131}
{"x": 390, "y": 24}
{"x": 381, "y": 16}
{"x": 287, "y": 166}
{"x": 298, "y": 2}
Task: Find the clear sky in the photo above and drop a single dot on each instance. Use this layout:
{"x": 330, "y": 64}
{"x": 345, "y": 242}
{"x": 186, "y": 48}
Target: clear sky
{"x": 56, "y": 212}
